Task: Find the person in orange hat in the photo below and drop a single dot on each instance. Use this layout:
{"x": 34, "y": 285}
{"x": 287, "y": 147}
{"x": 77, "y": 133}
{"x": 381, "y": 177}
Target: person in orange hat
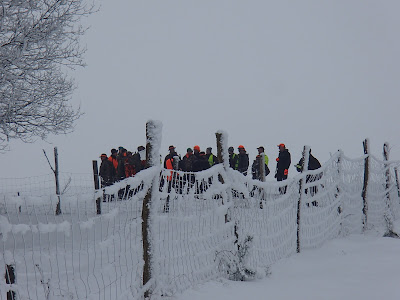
{"x": 196, "y": 150}
{"x": 243, "y": 160}
{"x": 282, "y": 163}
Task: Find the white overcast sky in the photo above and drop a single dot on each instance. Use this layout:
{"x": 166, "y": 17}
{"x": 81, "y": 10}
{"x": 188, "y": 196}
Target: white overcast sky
{"x": 321, "y": 73}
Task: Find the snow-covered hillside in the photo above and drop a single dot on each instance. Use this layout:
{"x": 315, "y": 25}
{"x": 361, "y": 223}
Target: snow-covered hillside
{"x": 356, "y": 267}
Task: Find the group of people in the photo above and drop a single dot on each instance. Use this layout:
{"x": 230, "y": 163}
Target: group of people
{"x": 122, "y": 163}
{"x": 240, "y": 162}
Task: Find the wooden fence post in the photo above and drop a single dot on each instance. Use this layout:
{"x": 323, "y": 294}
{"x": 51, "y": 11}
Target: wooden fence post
{"x": 304, "y": 167}
{"x": 365, "y": 185}
{"x": 152, "y": 159}
{"x": 10, "y": 277}
{"x": 222, "y": 159}
{"x": 56, "y": 174}
{"x": 396, "y": 174}
{"x": 220, "y": 152}
{"x": 262, "y": 166}
{"x": 96, "y": 185}
{"x": 388, "y": 210}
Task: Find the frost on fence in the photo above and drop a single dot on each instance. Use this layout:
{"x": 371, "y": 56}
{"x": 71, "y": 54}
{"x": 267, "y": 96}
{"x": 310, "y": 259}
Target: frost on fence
{"x": 190, "y": 228}
{"x": 79, "y": 254}
{"x": 267, "y": 213}
{"x": 200, "y": 221}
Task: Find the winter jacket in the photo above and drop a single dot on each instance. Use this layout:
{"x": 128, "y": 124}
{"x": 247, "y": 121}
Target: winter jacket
{"x": 107, "y": 173}
{"x": 212, "y": 159}
{"x": 313, "y": 164}
{"x": 186, "y": 164}
{"x": 171, "y": 161}
{"x": 243, "y": 164}
{"x": 234, "y": 161}
{"x": 114, "y": 162}
{"x": 200, "y": 162}
{"x": 255, "y": 168}
{"x": 282, "y": 165}
{"x": 121, "y": 166}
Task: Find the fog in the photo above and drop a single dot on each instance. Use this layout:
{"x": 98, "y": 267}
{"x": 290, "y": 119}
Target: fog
{"x": 318, "y": 73}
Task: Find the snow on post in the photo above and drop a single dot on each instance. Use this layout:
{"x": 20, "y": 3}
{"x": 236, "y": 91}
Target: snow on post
{"x": 222, "y": 148}
{"x": 153, "y": 144}
{"x": 365, "y": 184}
{"x": 304, "y": 168}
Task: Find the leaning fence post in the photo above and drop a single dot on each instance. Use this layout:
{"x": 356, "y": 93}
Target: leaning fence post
{"x": 388, "y": 210}
{"x": 96, "y": 185}
{"x": 56, "y": 174}
{"x": 10, "y": 277}
{"x": 153, "y": 139}
{"x": 304, "y": 167}
{"x": 365, "y": 185}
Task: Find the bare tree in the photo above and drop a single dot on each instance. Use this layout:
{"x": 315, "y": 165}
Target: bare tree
{"x": 39, "y": 41}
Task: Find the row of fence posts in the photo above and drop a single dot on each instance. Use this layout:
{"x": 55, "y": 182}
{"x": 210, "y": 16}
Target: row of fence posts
{"x": 152, "y": 127}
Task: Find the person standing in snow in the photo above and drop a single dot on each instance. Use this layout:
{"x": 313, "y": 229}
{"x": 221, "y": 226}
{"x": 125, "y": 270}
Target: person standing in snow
{"x": 313, "y": 164}
{"x": 113, "y": 159}
{"x": 256, "y": 166}
{"x": 139, "y": 159}
{"x": 200, "y": 162}
{"x": 107, "y": 171}
{"x": 282, "y": 163}
{"x": 186, "y": 164}
{"x": 172, "y": 159}
{"x": 233, "y": 159}
{"x": 243, "y": 163}
{"x": 212, "y": 159}
{"x": 121, "y": 158}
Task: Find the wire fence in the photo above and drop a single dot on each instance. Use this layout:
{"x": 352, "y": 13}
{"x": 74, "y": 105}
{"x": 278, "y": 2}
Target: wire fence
{"x": 205, "y": 225}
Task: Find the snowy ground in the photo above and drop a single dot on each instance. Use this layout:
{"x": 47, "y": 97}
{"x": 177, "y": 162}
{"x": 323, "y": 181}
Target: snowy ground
{"x": 363, "y": 267}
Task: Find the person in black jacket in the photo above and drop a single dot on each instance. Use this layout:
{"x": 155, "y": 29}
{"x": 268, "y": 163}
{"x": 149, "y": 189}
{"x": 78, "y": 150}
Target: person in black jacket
{"x": 313, "y": 164}
{"x": 282, "y": 163}
{"x": 243, "y": 160}
{"x": 107, "y": 171}
{"x": 200, "y": 162}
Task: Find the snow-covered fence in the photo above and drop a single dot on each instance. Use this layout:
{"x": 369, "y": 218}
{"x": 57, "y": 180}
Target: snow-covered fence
{"x": 200, "y": 226}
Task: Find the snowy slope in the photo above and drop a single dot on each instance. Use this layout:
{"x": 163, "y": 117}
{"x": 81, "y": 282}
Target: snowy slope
{"x": 356, "y": 267}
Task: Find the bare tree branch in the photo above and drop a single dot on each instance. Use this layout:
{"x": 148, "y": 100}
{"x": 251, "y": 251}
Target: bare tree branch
{"x": 38, "y": 40}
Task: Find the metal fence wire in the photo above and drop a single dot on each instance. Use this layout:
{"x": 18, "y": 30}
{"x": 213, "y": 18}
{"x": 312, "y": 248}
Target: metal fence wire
{"x": 204, "y": 225}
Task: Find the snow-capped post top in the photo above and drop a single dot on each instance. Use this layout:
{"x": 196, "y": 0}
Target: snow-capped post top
{"x": 366, "y": 146}
{"x": 386, "y": 151}
{"x": 222, "y": 141}
{"x": 306, "y": 156}
{"x": 153, "y": 142}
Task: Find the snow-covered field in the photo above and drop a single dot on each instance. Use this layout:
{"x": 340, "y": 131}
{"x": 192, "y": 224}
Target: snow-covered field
{"x": 358, "y": 266}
